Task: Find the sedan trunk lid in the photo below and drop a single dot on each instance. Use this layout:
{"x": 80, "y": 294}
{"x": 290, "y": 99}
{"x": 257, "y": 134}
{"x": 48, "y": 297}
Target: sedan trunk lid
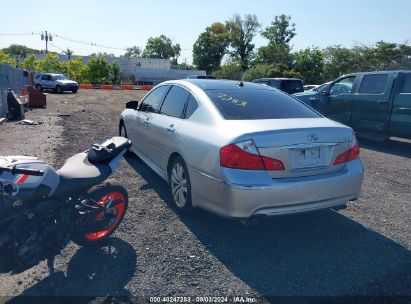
{"x": 306, "y": 147}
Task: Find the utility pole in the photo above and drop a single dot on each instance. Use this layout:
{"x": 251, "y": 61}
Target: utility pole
{"x": 46, "y": 37}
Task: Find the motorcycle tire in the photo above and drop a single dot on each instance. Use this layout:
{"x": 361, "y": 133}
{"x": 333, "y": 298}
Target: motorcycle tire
{"x": 102, "y": 195}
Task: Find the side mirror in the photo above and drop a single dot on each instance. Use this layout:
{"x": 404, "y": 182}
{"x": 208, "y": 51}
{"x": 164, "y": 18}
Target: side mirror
{"x": 325, "y": 98}
{"x": 132, "y": 105}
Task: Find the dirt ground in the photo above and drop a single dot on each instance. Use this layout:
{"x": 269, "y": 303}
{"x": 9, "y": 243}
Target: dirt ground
{"x": 361, "y": 252}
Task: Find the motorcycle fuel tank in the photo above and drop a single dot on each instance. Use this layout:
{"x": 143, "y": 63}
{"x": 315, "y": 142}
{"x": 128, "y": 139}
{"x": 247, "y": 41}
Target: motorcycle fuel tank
{"x": 29, "y": 186}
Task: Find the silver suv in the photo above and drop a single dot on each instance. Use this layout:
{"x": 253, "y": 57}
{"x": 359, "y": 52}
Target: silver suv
{"x": 56, "y": 82}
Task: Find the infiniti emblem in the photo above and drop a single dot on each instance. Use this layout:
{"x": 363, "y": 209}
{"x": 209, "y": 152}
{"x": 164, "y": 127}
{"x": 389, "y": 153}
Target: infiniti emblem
{"x": 312, "y": 137}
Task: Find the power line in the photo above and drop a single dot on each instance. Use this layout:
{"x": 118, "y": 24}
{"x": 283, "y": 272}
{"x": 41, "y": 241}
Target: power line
{"x": 18, "y": 34}
{"x": 67, "y": 39}
{"x": 57, "y": 47}
{"x": 90, "y": 43}
{"x": 72, "y": 40}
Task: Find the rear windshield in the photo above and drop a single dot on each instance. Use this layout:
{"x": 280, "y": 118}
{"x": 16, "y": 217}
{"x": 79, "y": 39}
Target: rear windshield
{"x": 258, "y": 104}
{"x": 293, "y": 86}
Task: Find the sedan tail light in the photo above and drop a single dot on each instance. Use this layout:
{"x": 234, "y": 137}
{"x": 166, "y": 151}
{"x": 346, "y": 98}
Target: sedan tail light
{"x": 244, "y": 155}
{"x": 348, "y": 155}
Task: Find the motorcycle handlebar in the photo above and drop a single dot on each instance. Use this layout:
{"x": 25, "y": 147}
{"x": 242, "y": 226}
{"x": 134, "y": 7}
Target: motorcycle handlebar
{"x": 15, "y": 171}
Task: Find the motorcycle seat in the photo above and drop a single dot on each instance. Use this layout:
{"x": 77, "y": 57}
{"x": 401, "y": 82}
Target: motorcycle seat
{"x": 106, "y": 150}
{"x": 78, "y": 174}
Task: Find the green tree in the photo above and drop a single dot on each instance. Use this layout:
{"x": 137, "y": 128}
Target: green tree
{"x": 49, "y": 63}
{"x": 210, "y": 47}
{"x": 404, "y": 61}
{"x": 269, "y": 70}
{"x": 133, "y": 51}
{"x": 5, "y": 58}
{"x": 231, "y": 69}
{"x": 73, "y": 68}
{"x": 242, "y": 32}
{"x": 281, "y": 30}
{"x": 18, "y": 51}
{"x": 338, "y": 60}
{"x": 387, "y": 55}
{"x": 69, "y": 53}
{"x": 28, "y": 63}
{"x": 96, "y": 70}
{"x": 363, "y": 58}
{"x": 279, "y": 34}
{"x": 162, "y": 47}
{"x": 115, "y": 72}
{"x": 275, "y": 54}
{"x": 310, "y": 63}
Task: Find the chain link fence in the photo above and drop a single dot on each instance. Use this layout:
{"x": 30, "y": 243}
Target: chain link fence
{"x": 12, "y": 78}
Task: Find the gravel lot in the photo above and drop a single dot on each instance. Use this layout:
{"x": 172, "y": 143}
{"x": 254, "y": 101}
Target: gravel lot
{"x": 361, "y": 252}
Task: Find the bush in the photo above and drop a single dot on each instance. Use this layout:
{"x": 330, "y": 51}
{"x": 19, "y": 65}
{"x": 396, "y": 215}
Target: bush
{"x": 230, "y": 70}
{"x": 270, "y": 71}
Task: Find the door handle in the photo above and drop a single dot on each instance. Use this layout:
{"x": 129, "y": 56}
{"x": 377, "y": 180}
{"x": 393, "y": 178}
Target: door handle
{"x": 381, "y": 101}
{"x": 146, "y": 122}
{"x": 171, "y": 129}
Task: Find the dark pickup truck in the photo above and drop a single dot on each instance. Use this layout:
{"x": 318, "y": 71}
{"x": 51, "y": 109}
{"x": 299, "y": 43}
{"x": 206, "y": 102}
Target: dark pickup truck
{"x": 376, "y": 104}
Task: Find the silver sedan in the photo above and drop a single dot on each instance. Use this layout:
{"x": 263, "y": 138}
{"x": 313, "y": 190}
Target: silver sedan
{"x": 240, "y": 149}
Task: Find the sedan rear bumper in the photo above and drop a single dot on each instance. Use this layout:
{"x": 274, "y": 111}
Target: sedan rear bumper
{"x": 281, "y": 196}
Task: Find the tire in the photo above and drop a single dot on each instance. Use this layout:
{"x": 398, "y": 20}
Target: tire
{"x": 59, "y": 89}
{"x": 39, "y": 87}
{"x": 102, "y": 195}
{"x": 180, "y": 186}
{"x": 123, "y": 133}
{"x": 74, "y": 91}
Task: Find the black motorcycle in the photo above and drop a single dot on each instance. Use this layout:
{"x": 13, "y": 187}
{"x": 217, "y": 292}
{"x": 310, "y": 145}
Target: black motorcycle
{"x": 41, "y": 209}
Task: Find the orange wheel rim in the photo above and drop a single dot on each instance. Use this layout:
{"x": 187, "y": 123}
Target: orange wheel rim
{"x": 117, "y": 209}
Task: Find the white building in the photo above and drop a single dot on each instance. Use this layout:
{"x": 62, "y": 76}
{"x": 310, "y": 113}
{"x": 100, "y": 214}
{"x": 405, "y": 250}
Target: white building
{"x": 143, "y": 70}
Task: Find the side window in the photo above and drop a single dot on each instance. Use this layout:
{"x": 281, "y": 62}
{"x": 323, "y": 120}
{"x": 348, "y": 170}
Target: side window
{"x": 153, "y": 101}
{"x": 374, "y": 84}
{"x": 192, "y": 105}
{"x": 406, "y": 87}
{"x": 275, "y": 84}
{"x": 345, "y": 85}
{"x": 293, "y": 86}
{"x": 175, "y": 101}
{"x": 44, "y": 77}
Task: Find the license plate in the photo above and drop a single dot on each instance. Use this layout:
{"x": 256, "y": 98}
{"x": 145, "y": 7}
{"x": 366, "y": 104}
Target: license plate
{"x": 308, "y": 157}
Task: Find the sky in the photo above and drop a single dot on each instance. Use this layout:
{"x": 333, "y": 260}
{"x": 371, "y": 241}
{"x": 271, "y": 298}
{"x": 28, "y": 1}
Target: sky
{"x": 123, "y": 23}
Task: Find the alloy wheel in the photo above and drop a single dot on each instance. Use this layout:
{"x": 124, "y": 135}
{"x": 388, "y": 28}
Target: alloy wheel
{"x": 179, "y": 185}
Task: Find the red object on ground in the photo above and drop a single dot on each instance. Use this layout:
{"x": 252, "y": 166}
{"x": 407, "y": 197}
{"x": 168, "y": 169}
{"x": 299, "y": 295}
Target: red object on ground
{"x": 36, "y": 98}
{"x": 126, "y": 87}
{"x": 146, "y": 87}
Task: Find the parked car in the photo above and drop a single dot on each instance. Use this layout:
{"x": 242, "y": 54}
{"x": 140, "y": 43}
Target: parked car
{"x": 313, "y": 94}
{"x": 376, "y": 104}
{"x": 309, "y": 87}
{"x": 239, "y": 149}
{"x": 56, "y": 82}
{"x": 288, "y": 85}
{"x": 201, "y": 77}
